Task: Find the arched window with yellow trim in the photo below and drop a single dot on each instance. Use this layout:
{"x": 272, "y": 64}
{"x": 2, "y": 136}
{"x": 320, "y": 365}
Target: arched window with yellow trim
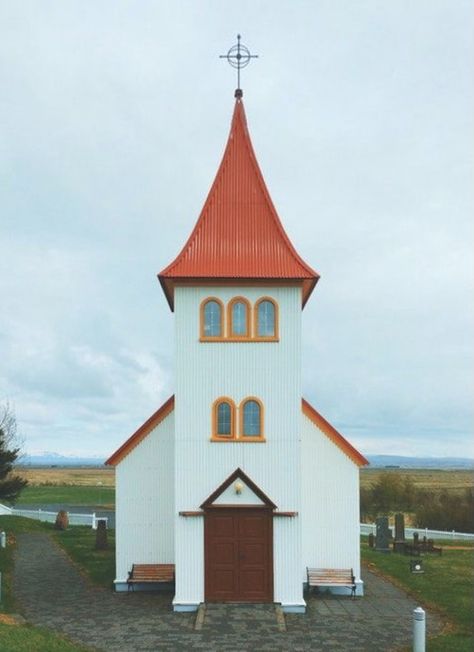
{"x": 251, "y": 418}
{"x": 212, "y": 318}
{"x": 266, "y": 318}
{"x": 223, "y": 419}
{"x": 239, "y": 318}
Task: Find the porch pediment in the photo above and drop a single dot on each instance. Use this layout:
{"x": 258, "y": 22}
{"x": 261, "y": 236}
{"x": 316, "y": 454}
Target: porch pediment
{"x": 238, "y": 490}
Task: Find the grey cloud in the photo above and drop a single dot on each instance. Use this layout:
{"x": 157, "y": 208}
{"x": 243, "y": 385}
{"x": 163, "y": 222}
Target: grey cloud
{"x": 114, "y": 121}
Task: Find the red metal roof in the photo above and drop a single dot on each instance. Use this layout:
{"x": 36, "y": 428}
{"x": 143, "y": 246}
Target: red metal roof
{"x": 168, "y": 407}
{"x": 331, "y": 432}
{"x": 238, "y": 234}
{"x": 156, "y": 418}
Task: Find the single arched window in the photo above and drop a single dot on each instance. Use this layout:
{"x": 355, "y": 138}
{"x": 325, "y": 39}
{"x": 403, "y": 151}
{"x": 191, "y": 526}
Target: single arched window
{"x": 223, "y": 418}
{"x": 211, "y": 318}
{"x": 266, "y": 318}
{"x": 239, "y": 318}
{"x": 251, "y": 416}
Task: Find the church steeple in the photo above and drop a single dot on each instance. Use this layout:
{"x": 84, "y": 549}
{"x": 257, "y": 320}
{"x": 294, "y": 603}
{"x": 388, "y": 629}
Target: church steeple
{"x": 238, "y": 234}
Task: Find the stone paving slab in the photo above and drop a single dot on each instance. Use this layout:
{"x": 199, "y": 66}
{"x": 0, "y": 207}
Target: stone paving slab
{"x": 53, "y": 593}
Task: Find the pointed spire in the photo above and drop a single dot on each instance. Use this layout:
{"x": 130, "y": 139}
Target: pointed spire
{"x": 238, "y": 234}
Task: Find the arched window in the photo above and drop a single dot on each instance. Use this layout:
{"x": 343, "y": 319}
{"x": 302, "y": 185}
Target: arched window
{"x": 223, "y": 418}
{"x": 211, "y": 318}
{"x": 239, "y": 318}
{"x": 251, "y": 415}
{"x": 266, "y": 318}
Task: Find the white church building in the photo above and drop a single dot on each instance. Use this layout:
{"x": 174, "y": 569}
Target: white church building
{"x": 236, "y": 479}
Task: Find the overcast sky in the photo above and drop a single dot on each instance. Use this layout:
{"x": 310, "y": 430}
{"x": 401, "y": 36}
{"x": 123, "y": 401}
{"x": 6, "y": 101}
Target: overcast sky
{"x": 113, "y": 120}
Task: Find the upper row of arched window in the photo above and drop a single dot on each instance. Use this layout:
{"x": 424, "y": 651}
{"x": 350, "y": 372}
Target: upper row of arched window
{"x": 244, "y": 321}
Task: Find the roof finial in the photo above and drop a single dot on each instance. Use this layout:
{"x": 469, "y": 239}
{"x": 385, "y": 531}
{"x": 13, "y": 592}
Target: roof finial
{"x": 239, "y": 57}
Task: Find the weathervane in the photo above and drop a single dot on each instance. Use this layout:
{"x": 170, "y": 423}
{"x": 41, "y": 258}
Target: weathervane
{"x": 239, "y": 57}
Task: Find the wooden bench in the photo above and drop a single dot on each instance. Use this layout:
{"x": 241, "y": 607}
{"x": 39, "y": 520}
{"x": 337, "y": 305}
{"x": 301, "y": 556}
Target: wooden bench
{"x": 331, "y": 577}
{"x": 148, "y": 573}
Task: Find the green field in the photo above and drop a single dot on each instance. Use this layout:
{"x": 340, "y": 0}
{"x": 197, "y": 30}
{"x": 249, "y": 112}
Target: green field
{"x": 447, "y": 586}
{"x": 98, "y": 496}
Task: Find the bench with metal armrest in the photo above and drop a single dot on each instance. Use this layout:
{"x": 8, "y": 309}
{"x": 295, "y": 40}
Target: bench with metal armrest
{"x": 150, "y": 573}
{"x": 331, "y": 577}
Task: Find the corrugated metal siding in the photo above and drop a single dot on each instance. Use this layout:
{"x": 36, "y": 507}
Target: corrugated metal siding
{"x": 287, "y": 560}
{"x": 330, "y": 504}
{"x": 205, "y": 371}
{"x": 145, "y": 501}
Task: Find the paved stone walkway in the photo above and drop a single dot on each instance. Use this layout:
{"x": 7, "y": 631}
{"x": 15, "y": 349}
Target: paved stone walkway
{"x": 51, "y": 592}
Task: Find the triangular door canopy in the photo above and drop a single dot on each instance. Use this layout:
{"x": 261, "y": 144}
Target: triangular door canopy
{"x": 249, "y": 490}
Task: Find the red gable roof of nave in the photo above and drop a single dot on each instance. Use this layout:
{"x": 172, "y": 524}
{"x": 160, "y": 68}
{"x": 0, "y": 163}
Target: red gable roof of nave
{"x": 168, "y": 407}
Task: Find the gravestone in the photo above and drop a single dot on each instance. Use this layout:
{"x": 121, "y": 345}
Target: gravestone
{"x": 371, "y": 540}
{"x": 399, "y": 527}
{"x": 101, "y": 535}
{"x": 382, "y": 534}
{"x": 399, "y": 543}
{"x": 62, "y": 520}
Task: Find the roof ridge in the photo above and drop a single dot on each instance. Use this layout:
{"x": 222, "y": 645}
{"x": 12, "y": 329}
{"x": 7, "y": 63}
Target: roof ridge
{"x": 168, "y": 406}
{"x": 333, "y": 434}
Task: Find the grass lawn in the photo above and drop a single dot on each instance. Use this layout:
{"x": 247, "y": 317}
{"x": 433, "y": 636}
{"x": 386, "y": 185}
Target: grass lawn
{"x": 446, "y": 585}
{"x": 24, "y": 638}
{"x": 79, "y": 541}
{"x": 92, "y": 495}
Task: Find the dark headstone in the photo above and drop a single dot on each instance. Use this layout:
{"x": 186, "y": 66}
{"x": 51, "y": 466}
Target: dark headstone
{"x": 399, "y": 543}
{"x": 101, "y": 535}
{"x": 62, "y": 520}
{"x": 371, "y": 540}
{"x": 382, "y": 534}
{"x": 399, "y": 527}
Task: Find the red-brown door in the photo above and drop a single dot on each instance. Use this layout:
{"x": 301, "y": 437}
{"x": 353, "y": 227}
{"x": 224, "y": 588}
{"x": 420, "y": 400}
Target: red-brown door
{"x": 238, "y": 549}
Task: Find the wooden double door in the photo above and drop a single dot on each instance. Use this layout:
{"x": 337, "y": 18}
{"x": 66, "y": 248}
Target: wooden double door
{"x": 238, "y": 552}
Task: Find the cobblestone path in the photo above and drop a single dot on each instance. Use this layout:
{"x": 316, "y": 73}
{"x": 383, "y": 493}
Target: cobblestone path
{"x": 51, "y": 592}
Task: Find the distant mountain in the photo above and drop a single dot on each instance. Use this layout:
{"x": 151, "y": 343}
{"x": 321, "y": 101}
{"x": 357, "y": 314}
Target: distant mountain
{"x": 383, "y": 461}
{"x": 47, "y": 458}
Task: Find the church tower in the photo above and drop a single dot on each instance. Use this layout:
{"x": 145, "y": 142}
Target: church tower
{"x": 237, "y": 290}
{"x": 236, "y": 484}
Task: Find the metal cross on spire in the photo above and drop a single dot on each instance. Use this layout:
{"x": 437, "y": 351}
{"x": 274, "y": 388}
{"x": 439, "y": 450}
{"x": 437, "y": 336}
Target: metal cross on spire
{"x": 239, "y": 57}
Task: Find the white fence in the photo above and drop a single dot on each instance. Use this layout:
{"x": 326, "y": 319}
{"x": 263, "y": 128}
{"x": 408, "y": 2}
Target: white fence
{"x": 91, "y": 519}
{"x": 368, "y": 528}
{"x": 50, "y": 517}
